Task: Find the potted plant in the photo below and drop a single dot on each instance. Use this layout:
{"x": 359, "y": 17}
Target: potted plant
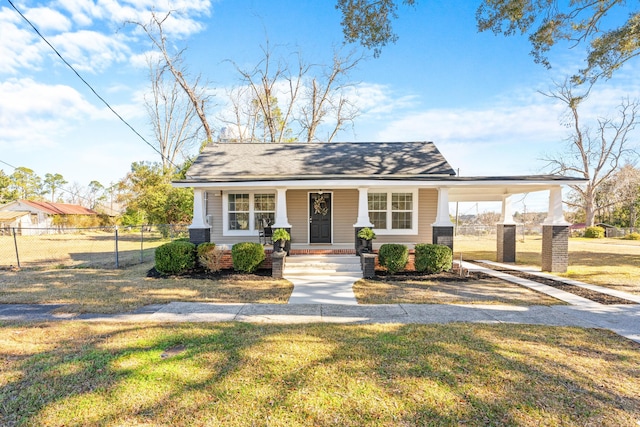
{"x": 365, "y": 237}
{"x": 280, "y": 238}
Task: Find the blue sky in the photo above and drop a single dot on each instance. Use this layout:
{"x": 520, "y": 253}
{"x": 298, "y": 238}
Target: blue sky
{"x": 474, "y": 94}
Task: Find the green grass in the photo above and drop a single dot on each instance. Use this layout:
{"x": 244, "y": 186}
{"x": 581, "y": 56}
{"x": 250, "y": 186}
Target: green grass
{"x": 613, "y": 263}
{"x": 236, "y": 374}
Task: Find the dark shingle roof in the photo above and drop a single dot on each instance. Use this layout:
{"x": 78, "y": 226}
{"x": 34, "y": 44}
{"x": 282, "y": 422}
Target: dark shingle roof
{"x": 241, "y": 162}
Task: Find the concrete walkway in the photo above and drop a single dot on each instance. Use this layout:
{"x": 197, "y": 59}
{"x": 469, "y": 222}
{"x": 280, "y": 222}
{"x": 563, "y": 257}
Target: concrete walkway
{"x": 621, "y": 319}
{"x": 323, "y": 279}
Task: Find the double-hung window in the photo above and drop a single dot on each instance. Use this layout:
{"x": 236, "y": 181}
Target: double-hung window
{"x": 245, "y": 212}
{"x": 393, "y": 212}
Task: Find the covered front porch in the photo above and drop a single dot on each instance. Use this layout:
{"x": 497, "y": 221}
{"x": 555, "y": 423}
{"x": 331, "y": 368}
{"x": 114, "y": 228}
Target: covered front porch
{"x": 323, "y": 217}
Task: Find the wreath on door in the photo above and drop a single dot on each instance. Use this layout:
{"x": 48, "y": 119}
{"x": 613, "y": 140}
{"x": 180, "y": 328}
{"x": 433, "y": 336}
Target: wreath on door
{"x": 320, "y": 206}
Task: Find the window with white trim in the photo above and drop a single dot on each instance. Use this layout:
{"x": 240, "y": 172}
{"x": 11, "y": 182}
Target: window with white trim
{"x": 393, "y": 212}
{"x": 244, "y": 212}
{"x": 238, "y": 208}
{"x": 264, "y": 209}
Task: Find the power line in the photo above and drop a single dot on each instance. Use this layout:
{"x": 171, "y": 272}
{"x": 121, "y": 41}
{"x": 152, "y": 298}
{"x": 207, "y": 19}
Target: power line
{"x": 10, "y": 165}
{"x": 89, "y": 86}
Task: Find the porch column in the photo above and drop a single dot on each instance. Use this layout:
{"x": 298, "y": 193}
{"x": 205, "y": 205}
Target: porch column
{"x": 282, "y": 221}
{"x": 199, "y": 230}
{"x": 442, "y": 229}
{"x": 555, "y": 235}
{"x": 363, "y": 216}
{"x": 506, "y": 233}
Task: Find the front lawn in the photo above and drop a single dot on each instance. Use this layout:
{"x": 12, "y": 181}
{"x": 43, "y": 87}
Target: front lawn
{"x": 614, "y": 263}
{"x": 446, "y": 288}
{"x": 115, "y": 291}
{"x": 238, "y": 374}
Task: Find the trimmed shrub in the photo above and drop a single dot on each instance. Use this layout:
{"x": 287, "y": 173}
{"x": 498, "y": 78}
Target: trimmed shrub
{"x": 175, "y": 257}
{"x": 632, "y": 236}
{"x": 393, "y": 256}
{"x": 594, "y": 232}
{"x": 433, "y": 258}
{"x": 247, "y": 256}
{"x": 210, "y": 257}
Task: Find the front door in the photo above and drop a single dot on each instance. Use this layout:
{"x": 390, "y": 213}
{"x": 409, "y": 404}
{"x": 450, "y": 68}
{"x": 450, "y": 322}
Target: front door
{"x": 319, "y": 218}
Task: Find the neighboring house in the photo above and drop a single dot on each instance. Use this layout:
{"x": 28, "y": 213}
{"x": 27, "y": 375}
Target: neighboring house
{"x": 13, "y": 220}
{"x": 325, "y": 192}
{"x": 35, "y": 216}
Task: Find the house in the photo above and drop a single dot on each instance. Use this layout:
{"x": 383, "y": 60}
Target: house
{"x": 35, "y": 217}
{"x": 323, "y": 193}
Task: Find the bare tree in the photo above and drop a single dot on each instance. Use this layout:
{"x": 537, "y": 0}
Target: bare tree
{"x": 262, "y": 81}
{"x": 172, "y": 114}
{"x": 592, "y": 154}
{"x": 173, "y": 63}
{"x": 326, "y": 98}
{"x": 280, "y": 102}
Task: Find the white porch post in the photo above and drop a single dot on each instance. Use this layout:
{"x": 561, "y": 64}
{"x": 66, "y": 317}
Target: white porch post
{"x": 198, "y": 210}
{"x": 555, "y": 215}
{"x": 507, "y": 212}
{"x": 442, "y": 216}
{"x": 282, "y": 221}
{"x": 363, "y": 208}
{"x": 506, "y": 233}
{"x": 442, "y": 229}
{"x": 199, "y": 230}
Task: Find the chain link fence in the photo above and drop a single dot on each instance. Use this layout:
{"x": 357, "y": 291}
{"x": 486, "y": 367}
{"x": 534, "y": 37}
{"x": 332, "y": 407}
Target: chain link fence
{"x": 484, "y": 231}
{"x": 94, "y": 247}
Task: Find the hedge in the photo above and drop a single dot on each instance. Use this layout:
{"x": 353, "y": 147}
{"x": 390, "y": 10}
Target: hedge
{"x": 393, "y": 256}
{"x": 247, "y": 256}
{"x": 594, "y": 232}
{"x": 433, "y": 258}
{"x": 210, "y": 257}
{"x": 175, "y": 257}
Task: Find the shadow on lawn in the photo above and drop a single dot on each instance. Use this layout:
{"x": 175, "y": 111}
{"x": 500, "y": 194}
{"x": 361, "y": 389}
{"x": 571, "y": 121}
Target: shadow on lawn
{"x": 245, "y": 374}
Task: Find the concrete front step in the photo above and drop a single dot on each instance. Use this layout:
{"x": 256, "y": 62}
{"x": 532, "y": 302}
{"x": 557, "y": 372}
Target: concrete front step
{"x": 321, "y": 265}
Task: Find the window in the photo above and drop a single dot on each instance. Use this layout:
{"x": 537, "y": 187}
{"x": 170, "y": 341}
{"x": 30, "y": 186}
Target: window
{"x": 378, "y": 209}
{"x": 401, "y": 211}
{"x": 244, "y": 212}
{"x": 393, "y": 212}
{"x": 264, "y": 208}
{"x": 238, "y": 211}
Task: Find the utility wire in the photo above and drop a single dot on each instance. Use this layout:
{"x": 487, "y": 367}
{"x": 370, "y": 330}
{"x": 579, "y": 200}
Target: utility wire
{"x": 89, "y": 86}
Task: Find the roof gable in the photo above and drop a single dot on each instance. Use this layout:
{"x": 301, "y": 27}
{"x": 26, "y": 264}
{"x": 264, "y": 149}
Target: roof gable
{"x": 264, "y": 161}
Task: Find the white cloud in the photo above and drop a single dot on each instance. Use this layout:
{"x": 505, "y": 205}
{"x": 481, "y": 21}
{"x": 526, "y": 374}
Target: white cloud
{"x": 82, "y": 11}
{"x": 46, "y": 19}
{"x": 90, "y": 50}
{"x": 378, "y": 101}
{"x": 19, "y": 47}
{"x": 34, "y": 114}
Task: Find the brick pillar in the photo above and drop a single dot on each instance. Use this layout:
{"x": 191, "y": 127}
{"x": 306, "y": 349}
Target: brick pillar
{"x": 368, "y": 262}
{"x": 442, "y": 235}
{"x": 199, "y": 235}
{"x": 555, "y": 248}
{"x": 506, "y": 236}
{"x": 277, "y": 264}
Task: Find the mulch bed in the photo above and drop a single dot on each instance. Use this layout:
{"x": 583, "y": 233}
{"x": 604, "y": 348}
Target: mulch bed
{"x": 445, "y": 277}
{"x": 576, "y": 290}
{"x": 202, "y": 274}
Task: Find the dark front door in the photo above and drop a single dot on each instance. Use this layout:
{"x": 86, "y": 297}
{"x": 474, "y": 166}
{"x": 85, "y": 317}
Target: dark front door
{"x": 320, "y": 218}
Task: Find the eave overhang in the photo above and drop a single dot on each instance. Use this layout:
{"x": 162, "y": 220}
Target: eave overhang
{"x": 475, "y": 189}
